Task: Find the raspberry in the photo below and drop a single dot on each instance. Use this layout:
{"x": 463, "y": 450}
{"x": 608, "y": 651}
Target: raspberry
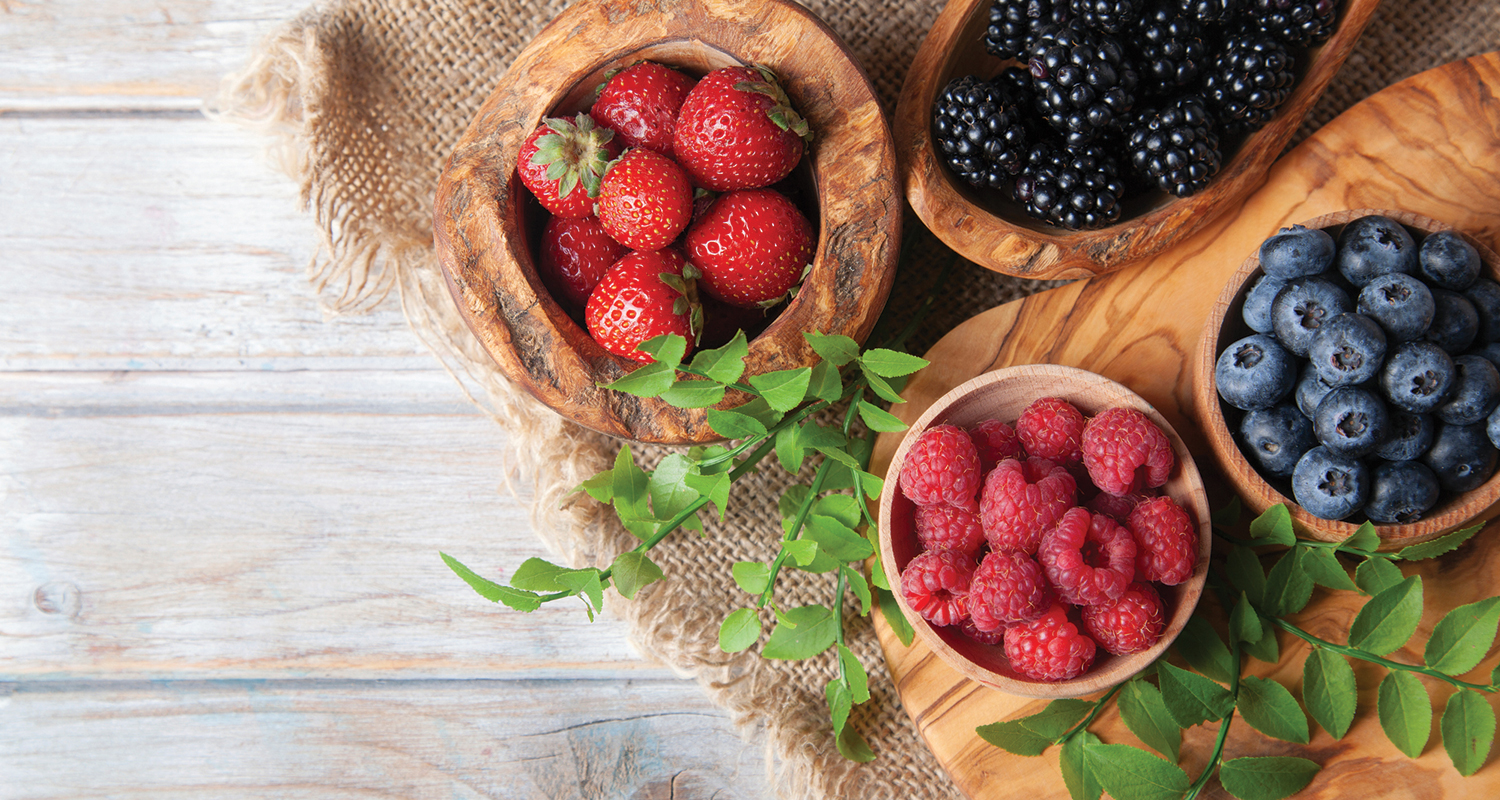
{"x": 1008, "y": 587}
{"x": 1116, "y": 507}
{"x": 983, "y": 637}
{"x": 1128, "y": 625}
{"x": 1052, "y": 428}
{"x": 948, "y": 527}
{"x": 1125, "y": 452}
{"x": 1166, "y": 541}
{"x": 1088, "y": 558}
{"x": 1023, "y": 499}
{"x": 936, "y": 585}
{"x": 942, "y": 467}
{"x": 995, "y": 442}
{"x": 1049, "y": 648}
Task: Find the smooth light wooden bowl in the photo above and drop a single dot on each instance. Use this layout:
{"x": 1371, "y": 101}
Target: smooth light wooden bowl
{"x": 1003, "y": 394}
{"x": 484, "y": 238}
{"x": 1226, "y": 325}
{"x": 998, "y": 234}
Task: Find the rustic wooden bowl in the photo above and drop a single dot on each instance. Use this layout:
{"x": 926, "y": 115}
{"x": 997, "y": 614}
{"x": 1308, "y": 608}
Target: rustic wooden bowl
{"x": 485, "y": 242}
{"x": 997, "y": 233}
{"x": 1226, "y": 325}
{"x": 1003, "y": 394}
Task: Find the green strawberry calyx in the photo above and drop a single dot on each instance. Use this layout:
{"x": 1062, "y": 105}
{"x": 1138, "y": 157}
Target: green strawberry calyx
{"x": 574, "y": 153}
{"x": 781, "y": 111}
{"x": 686, "y": 285}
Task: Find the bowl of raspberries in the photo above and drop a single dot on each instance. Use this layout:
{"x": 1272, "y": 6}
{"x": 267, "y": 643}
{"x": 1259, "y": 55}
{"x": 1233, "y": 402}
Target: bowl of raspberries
{"x": 676, "y": 171}
{"x": 1349, "y": 370}
{"x": 1068, "y": 138}
{"x": 1045, "y": 530}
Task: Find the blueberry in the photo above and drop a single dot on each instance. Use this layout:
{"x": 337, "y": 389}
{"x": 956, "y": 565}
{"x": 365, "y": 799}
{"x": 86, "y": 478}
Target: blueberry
{"x": 1492, "y": 427}
{"x": 1401, "y": 492}
{"x": 1275, "y": 438}
{"x": 1302, "y": 306}
{"x": 1401, "y": 304}
{"x": 1407, "y": 435}
{"x": 1447, "y": 261}
{"x": 1296, "y": 251}
{"x": 1330, "y": 486}
{"x": 1476, "y": 392}
{"x": 1310, "y": 391}
{"x": 1462, "y": 456}
{"x": 1351, "y": 421}
{"x": 1347, "y": 350}
{"x": 1255, "y": 372}
{"x": 1455, "y": 322}
{"x": 1373, "y": 246}
{"x": 1418, "y": 376}
{"x": 1257, "y": 308}
{"x": 1485, "y": 295}
{"x": 1489, "y": 351}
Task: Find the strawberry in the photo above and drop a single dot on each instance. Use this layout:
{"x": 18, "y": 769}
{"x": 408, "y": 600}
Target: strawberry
{"x": 645, "y": 200}
{"x": 752, "y": 247}
{"x": 640, "y": 102}
{"x": 575, "y": 254}
{"x": 562, "y": 162}
{"x": 737, "y": 130}
{"x": 644, "y": 295}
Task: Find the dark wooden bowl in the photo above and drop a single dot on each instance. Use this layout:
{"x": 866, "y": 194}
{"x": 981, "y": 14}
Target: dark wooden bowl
{"x": 484, "y": 242}
{"x": 1003, "y": 394}
{"x": 1226, "y": 325}
{"x": 997, "y": 233}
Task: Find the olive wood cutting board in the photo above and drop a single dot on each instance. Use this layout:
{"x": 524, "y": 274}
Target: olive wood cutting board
{"x": 1431, "y": 145}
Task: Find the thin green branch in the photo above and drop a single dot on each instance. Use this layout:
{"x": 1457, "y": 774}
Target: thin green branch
{"x": 1365, "y": 655}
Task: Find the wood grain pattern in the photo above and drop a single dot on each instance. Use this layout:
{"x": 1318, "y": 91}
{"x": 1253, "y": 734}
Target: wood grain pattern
{"x": 481, "y": 229}
{"x": 1430, "y": 145}
{"x": 998, "y": 234}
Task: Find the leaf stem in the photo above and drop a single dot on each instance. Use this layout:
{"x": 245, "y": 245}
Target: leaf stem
{"x": 1365, "y": 655}
{"x": 1218, "y": 754}
{"x": 796, "y": 530}
{"x": 1088, "y": 720}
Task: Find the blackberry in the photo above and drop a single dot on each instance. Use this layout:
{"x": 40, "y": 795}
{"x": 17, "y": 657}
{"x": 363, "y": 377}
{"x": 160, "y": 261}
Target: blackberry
{"x": 1252, "y": 76}
{"x": 1176, "y": 147}
{"x": 1084, "y": 84}
{"x": 1169, "y": 50}
{"x": 1299, "y": 23}
{"x": 1214, "y": 12}
{"x": 979, "y": 132}
{"x": 1110, "y": 16}
{"x": 1014, "y": 24}
{"x": 1072, "y": 188}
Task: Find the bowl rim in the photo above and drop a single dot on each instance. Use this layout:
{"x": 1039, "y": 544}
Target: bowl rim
{"x": 1255, "y": 491}
{"x": 1118, "y": 668}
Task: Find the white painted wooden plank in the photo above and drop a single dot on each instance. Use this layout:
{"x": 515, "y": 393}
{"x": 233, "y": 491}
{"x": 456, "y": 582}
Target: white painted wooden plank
{"x": 319, "y": 740}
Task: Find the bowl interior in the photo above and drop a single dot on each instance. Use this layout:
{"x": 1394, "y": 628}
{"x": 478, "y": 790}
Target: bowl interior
{"x": 1004, "y": 394}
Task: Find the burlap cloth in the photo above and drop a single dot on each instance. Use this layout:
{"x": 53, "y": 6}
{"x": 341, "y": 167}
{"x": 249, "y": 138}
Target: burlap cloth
{"x": 366, "y": 100}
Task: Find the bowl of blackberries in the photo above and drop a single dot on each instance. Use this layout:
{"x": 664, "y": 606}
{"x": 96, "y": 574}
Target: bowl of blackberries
{"x": 1068, "y": 138}
{"x": 1349, "y": 370}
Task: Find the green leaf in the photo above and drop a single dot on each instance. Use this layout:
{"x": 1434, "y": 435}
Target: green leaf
{"x": 837, "y": 539}
{"x": 838, "y": 477}
{"x": 734, "y": 425}
{"x": 1267, "y": 777}
{"x": 1146, "y": 715}
{"x": 724, "y": 364}
{"x": 693, "y": 394}
{"x": 1270, "y": 708}
{"x": 600, "y": 487}
{"x": 1129, "y": 773}
{"x": 870, "y": 484}
{"x": 789, "y": 451}
{"x": 822, "y": 437}
{"x": 1244, "y": 623}
{"x": 1013, "y": 737}
{"x": 1228, "y": 516}
{"x": 883, "y": 389}
{"x": 890, "y": 363}
{"x": 783, "y": 389}
{"x": 739, "y": 630}
{"x": 669, "y": 348}
{"x": 1363, "y": 540}
{"x": 1329, "y": 690}
{"x": 878, "y": 578}
{"x": 649, "y": 380}
{"x": 1274, "y": 526}
{"x": 802, "y": 551}
{"x": 841, "y": 507}
{"x": 1077, "y": 773}
{"x": 759, "y": 410}
{"x": 715, "y": 487}
{"x": 538, "y": 575}
{"x": 792, "y": 499}
{"x": 751, "y": 576}
{"x": 891, "y": 610}
{"x": 839, "y": 704}
{"x": 825, "y": 382}
{"x": 1244, "y": 570}
{"x": 854, "y": 672}
{"x": 1266, "y": 648}
{"x": 854, "y": 747}
{"x": 861, "y": 589}
{"x": 1463, "y": 636}
{"x": 1288, "y": 587}
{"x": 1468, "y": 727}
{"x": 1405, "y": 712}
{"x": 1191, "y": 698}
{"x": 669, "y": 490}
{"x": 878, "y": 419}
{"x": 816, "y": 628}
{"x": 1200, "y": 645}
{"x": 1376, "y": 575}
{"x": 585, "y": 582}
{"x": 1057, "y": 718}
{"x": 629, "y": 487}
{"x": 631, "y": 571}
{"x": 1438, "y": 546}
{"x": 1325, "y": 570}
{"x": 494, "y": 592}
{"x": 835, "y": 349}
{"x": 1389, "y": 618}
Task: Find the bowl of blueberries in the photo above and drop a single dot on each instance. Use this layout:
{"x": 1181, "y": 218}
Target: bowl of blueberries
{"x": 1349, "y": 371}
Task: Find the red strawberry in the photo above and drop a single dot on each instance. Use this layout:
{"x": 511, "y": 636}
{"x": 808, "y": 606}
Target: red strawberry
{"x": 752, "y": 247}
{"x": 644, "y": 295}
{"x": 645, "y": 200}
{"x": 640, "y": 104}
{"x": 562, "y": 162}
{"x": 737, "y": 130}
{"x": 575, "y": 254}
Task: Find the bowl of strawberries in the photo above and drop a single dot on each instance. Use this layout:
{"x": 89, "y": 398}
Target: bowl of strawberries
{"x": 1045, "y": 530}
{"x": 699, "y": 169}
